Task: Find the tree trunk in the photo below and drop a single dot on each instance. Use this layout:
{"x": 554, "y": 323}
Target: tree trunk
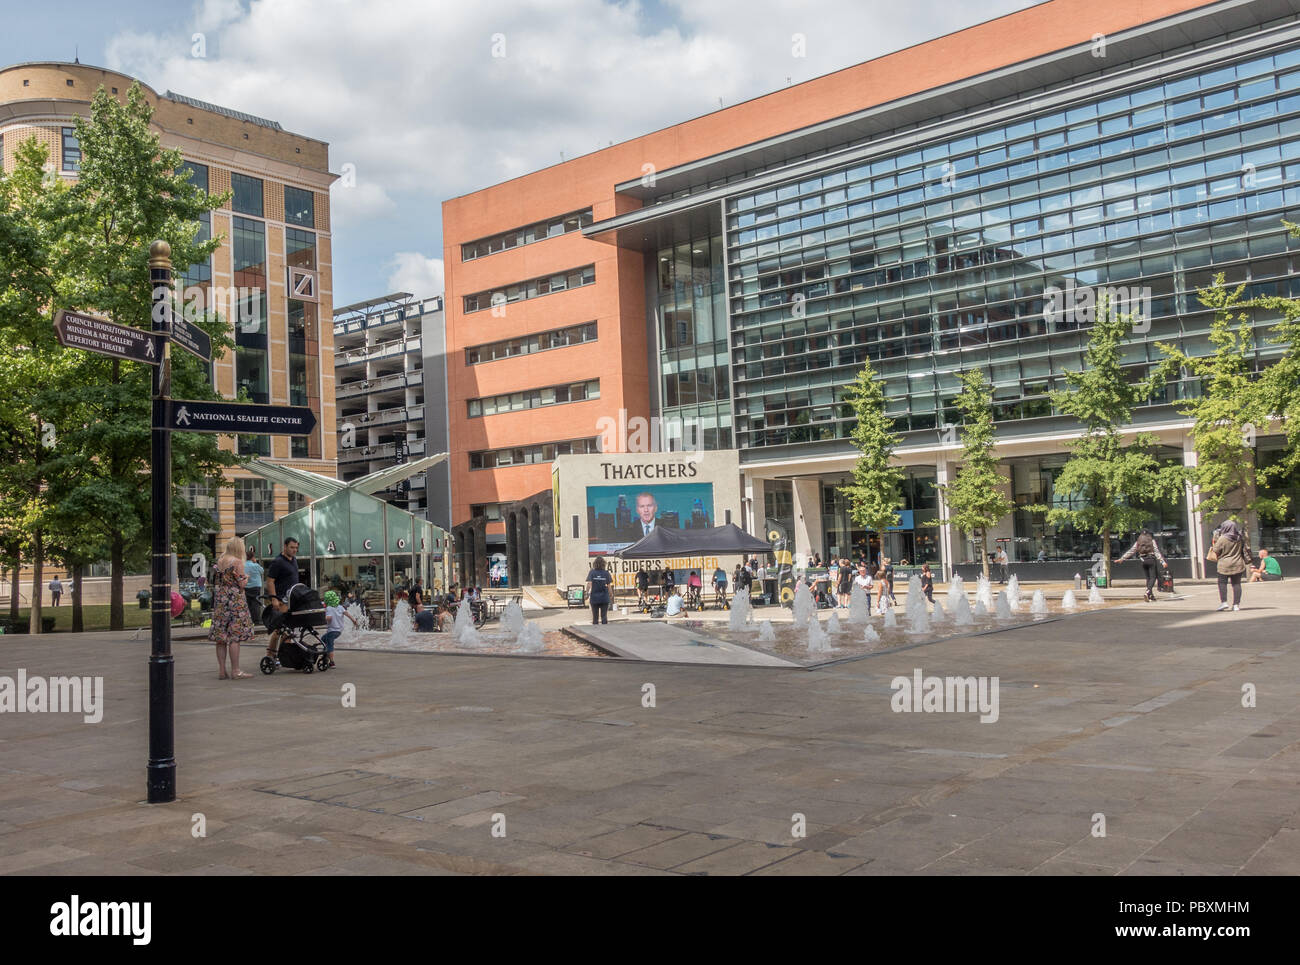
{"x": 984, "y": 553}
{"x": 116, "y": 618}
{"x": 15, "y": 588}
{"x": 1105, "y": 556}
{"x": 38, "y": 551}
{"x": 77, "y": 625}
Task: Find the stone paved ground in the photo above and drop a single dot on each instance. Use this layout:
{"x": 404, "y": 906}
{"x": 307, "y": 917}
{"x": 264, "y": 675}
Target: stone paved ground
{"x": 1135, "y": 713}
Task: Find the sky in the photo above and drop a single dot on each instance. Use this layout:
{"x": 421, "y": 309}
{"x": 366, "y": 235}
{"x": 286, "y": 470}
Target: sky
{"x": 432, "y": 99}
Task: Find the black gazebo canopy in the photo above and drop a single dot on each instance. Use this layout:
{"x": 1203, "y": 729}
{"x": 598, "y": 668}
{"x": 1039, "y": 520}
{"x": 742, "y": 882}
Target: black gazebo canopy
{"x": 729, "y": 539}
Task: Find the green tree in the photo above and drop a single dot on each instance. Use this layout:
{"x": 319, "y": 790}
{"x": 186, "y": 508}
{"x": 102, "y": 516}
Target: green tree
{"x": 36, "y": 216}
{"x": 1231, "y": 406}
{"x": 974, "y": 498}
{"x": 130, "y": 191}
{"x": 875, "y": 494}
{"x": 1279, "y": 383}
{"x": 1105, "y": 482}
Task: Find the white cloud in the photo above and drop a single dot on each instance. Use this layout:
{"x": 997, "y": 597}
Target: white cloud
{"x": 409, "y": 92}
{"x": 413, "y": 272}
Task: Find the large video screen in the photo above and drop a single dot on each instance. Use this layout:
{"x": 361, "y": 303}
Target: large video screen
{"x": 618, "y": 516}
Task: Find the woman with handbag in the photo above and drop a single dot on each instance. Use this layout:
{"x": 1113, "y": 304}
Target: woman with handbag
{"x": 1232, "y": 554}
{"x": 1148, "y": 551}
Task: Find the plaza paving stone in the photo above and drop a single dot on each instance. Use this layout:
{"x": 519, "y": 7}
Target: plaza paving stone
{"x": 1133, "y": 712}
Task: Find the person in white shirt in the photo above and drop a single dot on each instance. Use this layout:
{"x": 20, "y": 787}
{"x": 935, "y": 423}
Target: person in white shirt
{"x": 675, "y": 605}
{"x": 863, "y": 579}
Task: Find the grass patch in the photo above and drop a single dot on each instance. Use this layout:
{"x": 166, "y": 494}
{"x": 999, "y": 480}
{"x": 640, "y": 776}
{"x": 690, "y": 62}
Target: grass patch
{"x": 94, "y": 616}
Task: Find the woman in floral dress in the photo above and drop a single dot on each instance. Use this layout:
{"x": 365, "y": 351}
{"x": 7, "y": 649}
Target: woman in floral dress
{"x": 231, "y": 624}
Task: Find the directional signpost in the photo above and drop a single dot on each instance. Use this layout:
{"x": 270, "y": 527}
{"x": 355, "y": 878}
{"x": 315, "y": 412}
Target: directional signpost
{"x": 95, "y": 334}
{"x": 238, "y": 418}
{"x": 153, "y": 347}
{"x": 191, "y": 338}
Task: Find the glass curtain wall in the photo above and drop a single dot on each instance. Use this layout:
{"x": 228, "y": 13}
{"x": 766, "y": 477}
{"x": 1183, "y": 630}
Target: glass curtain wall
{"x": 935, "y": 259}
{"x": 304, "y": 343}
{"x": 252, "y": 361}
{"x": 1033, "y": 485}
{"x": 912, "y": 540}
{"x": 694, "y": 373}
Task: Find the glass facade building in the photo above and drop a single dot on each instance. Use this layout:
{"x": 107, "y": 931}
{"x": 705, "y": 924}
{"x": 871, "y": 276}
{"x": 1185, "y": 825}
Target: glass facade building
{"x": 925, "y": 236}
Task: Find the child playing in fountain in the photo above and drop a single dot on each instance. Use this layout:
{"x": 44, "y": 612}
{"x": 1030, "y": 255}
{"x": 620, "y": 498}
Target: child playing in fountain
{"x": 334, "y": 614}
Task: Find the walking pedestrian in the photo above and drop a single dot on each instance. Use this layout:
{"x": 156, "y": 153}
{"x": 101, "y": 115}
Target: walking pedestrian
{"x": 598, "y": 583}
{"x": 1232, "y": 554}
{"x": 1148, "y": 552}
{"x": 56, "y": 590}
{"x": 231, "y": 623}
{"x": 927, "y": 582}
{"x": 253, "y": 585}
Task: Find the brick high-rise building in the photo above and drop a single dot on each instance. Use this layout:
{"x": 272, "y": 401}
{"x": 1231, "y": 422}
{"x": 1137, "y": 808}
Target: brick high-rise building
{"x": 278, "y": 221}
{"x": 917, "y": 211}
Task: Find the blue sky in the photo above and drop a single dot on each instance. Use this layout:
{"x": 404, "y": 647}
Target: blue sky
{"x": 409, "y": 92}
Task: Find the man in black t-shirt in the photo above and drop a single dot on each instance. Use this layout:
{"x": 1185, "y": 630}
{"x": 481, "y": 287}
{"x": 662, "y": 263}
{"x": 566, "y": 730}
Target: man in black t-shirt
{"x": 281, "y": 575}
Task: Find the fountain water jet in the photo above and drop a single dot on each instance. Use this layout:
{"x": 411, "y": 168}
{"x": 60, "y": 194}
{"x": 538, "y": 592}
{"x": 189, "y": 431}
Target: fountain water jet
{"x": 742, "y": 613}
{"x": 765, "y": 632}
{"x": 530, "y": 638}
{"x": 1068, "y": 602}
{"x": 961, "y": 612}
{"x": 803, "y": 607}
{"x": 1013, "y": 593}
{"x": 1038, "y": 606}
{"x": 859, "y": 606}
{"x": 818, "y": 639}
{"x": 1004, "y": 607}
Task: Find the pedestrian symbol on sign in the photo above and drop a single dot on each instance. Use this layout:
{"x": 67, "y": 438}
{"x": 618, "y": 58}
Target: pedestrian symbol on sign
{"x": 182, "y": 416}
{"x": 148, "y": 348}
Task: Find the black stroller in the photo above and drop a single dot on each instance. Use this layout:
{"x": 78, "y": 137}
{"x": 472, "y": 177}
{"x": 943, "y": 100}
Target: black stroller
{"x": 301, "y": 648}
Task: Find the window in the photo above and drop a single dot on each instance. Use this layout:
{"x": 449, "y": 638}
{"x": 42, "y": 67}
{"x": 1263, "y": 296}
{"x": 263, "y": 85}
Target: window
{"x": 525, "y": 455}
{"x": 254, "y": 503}
{"x": 527, "y": 344}
{"x": 526, "y": 235}
{"x": 201, "y": 272}
{"x": 247, "y": 194}
{"x": 535, "y": 398}
{"x": 299, "y": 207}
{"x": 534, "y": 288}
{"x": 71, "y": 150}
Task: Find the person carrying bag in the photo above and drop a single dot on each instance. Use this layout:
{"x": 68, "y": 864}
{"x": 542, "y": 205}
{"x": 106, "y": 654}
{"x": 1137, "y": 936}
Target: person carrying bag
{"x": 1231, "y": 554}
{"x": 1147, "y": 551}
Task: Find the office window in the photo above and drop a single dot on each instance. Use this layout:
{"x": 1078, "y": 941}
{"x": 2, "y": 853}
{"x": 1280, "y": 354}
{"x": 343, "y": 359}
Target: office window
{"x": 299, "y": 207}
{"x": 247, "y": 194}
{"x": 71, "y": 150}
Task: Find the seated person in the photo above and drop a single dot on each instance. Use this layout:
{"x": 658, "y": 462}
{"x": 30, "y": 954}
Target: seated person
{"x": 424, "y": 619}
{"x": 443, "y": 617}
{"x": 1269, "y": 568}
{"x": 676, "y": 605}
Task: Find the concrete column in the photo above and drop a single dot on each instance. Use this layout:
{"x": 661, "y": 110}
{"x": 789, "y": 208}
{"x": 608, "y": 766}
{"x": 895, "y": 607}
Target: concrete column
{"x": 943, "y": 476}
{"x": 756, "y": 522}
{"x": 1195, "y": 526}
{"x": 808, "y": 534}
